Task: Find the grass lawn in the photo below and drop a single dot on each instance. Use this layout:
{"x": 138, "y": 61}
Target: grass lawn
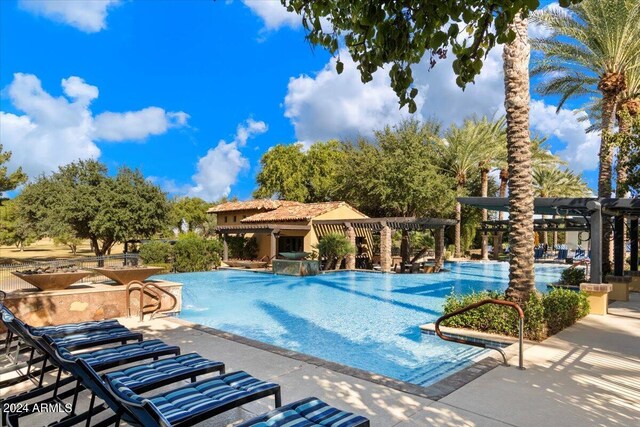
{"x": 45, "y": 250}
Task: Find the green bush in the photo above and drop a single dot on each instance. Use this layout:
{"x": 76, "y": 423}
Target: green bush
{"x": 544, "y": 314}
{"x": 194, "y": 253}
{"x": 563, "y": 307}
{"x": 242, "y": 247}
{"x": 155, "y": 252}
{"x": 572, "y": 277}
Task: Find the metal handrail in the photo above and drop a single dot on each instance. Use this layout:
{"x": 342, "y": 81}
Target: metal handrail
{"x": 144, "y": 288}
{"x": 511, "y": 304}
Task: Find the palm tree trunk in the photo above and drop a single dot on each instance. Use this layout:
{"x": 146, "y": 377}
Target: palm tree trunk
{"x": 604, "y": 173}
{"x": 484, "y": 188}
{"x": 624, "y": 127}
{"x": 516, "y": 79}
{"x": 458, "y": 229}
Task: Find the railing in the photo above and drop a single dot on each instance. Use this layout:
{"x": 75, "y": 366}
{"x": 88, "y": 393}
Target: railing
{"x": 482, "y": 344}
{"x": 154, "y": 291}
{"x": 9, "y": 282}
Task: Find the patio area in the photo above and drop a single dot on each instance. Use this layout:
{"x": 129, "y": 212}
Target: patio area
{"x": 588, "y": 374}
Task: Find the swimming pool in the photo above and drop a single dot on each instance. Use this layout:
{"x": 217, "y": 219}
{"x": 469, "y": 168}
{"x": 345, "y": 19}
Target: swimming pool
{"x": 364, "y": 320}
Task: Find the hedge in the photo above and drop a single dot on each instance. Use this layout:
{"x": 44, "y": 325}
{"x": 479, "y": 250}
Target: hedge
{"x": 545, "y": 314}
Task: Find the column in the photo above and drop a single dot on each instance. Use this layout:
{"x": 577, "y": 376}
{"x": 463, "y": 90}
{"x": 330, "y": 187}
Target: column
{"x": 618, "y": 246}
{"x": 351, "y": 257}
{"x": 633, "y": 241}
{"x": 596, "y": 241}
{"x": 272, "y": 250}
{"x": 225, "y": 248}
{"x": 385, "y": 248}
{"x": 438, "y": 235}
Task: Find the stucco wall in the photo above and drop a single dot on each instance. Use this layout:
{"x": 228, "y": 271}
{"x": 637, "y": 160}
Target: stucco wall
{"x": 341, "y": 212}
{"x": 238, "y": 215}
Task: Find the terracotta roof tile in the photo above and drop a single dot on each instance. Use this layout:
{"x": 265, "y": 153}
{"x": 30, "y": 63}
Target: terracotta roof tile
{"x": 257, "y": 204}
{"x": 296, "y": 212}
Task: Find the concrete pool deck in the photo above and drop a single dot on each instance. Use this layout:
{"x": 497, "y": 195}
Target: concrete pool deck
{"x": 587, "y": 375}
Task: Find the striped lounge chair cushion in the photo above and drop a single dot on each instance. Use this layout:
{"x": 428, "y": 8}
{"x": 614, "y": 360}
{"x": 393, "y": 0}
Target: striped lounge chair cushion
{"x": 115, "y": 354}
{"x": 96, "y": 337}
{"x": 202, "y": 396}
{"x": 309, "y": 412}
{"x": 71, "y": 328}
{"x": 170, "y": 368}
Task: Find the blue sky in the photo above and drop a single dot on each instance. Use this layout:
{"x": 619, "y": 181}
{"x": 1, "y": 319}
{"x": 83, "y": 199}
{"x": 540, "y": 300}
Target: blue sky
{"x": 194, "y": 92}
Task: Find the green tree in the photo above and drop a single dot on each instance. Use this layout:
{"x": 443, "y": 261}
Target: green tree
{"x": 322, "y": 164}
{"x": 9, "y": 181}
{"x": 13, "y": 229}
{"x": 594, "y": 45}
{"x": 188, "y": 214}
{"x": 81, "y": 197}
{"x": 282, "y": 174}
{"x": 395, "y": 175}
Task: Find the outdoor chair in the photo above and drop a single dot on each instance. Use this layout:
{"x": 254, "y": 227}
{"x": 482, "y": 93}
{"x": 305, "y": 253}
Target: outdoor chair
{"x": 309, "y": 412}
{"x": 185, "y": 405}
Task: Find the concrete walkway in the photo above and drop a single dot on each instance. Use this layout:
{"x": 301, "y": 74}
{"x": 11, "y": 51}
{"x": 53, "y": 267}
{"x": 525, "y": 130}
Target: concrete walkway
{"x": 588, "y": 375}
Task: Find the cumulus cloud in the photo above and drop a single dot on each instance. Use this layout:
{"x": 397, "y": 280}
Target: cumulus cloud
{"x": 218, "y": 170}
{"x": 329, "y": 105}
{"x": 54, "y": 131}
{"x": 581, "y": 148}
{"x": 89, "y": 16}
{"x": 274, "y": 14}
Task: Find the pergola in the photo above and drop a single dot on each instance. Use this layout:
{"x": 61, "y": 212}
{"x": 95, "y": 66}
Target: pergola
{"x": 384, "y": 227}
{"x": 580, "y": 214}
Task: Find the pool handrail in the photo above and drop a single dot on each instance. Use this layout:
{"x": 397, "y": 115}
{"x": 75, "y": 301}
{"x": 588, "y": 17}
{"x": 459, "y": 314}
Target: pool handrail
{"x": 511, "y": 304}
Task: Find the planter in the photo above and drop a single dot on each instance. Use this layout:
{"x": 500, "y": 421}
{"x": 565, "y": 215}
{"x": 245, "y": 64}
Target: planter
{"x": 52, "y": 281}
{"x": 125, "y": 275}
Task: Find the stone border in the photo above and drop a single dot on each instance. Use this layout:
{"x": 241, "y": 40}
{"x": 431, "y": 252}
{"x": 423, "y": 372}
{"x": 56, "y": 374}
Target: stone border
{"x": 434, "y": 392}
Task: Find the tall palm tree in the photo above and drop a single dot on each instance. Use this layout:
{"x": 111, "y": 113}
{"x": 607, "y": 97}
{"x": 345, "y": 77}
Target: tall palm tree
{"x": 459, "y": 153}
{"x": 595, "y": 44}
{"x": 628, "y": 109}
{"x": 517, "y": 98}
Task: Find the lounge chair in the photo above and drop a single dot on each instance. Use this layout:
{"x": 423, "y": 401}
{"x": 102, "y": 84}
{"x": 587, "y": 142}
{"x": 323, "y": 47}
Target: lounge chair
{"x": 309, "y": 412}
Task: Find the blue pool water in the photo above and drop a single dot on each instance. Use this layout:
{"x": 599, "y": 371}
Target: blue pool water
{"x": 364, "y": 320}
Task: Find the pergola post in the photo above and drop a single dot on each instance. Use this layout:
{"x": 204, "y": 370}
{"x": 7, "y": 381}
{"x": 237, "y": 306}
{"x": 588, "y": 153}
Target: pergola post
{"x": 351, "y": 257}
{"x": 385, "y": 248}
{"x": 225, "y": 248}
{"x": 273, "y": 245}
{"x": 438, "y": 235}
{"x": 618, "y": 246}
{"x": 596, "y": 241}
{"x": 633, "y": 241}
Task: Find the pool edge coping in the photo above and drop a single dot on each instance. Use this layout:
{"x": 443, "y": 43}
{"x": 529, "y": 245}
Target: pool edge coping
{"x": 435, "y": 391}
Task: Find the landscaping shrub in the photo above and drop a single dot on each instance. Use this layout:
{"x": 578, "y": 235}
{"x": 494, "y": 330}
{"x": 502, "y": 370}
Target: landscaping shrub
{"x": 572, "y": 277}
{"x": 545, "y": 314}
{"x": 194, "y": 253}
{"x": 334, "y": 247}
{"x": 563, "y": 307}
{"x": 155, "y": 252}
{"x": 242, "y": 247}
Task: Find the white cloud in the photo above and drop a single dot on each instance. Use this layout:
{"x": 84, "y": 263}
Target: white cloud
{"x": 274, "y": 14}
{"x": 581, "y": 149}
{"x": 218, "y": 170}
{"x": 329, "y": 105}
{"x": 136, "y": 125}
{"x": 86, "y": 15}
{"x": 54, "y": 131}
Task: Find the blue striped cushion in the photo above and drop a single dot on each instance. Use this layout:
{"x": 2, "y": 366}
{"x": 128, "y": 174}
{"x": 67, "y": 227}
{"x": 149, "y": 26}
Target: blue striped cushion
{"x": 95, "y": 336}
{"x": 198, "y": 397}
{"x": 162, "y": 369}
{"x": 71, "y": 328}
{"x": 311, "y": 412}
{"x": 114, "y": 354}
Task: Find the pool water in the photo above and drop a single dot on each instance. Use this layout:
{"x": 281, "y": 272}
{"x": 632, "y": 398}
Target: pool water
{"x": 364, "y": 320}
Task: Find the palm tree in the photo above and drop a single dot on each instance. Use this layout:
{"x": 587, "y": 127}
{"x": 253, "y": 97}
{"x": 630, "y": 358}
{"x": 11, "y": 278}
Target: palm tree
{"x": 595, "y": 44}
{"x": 459, "y": 153}
{"x": 628, "y": 109}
